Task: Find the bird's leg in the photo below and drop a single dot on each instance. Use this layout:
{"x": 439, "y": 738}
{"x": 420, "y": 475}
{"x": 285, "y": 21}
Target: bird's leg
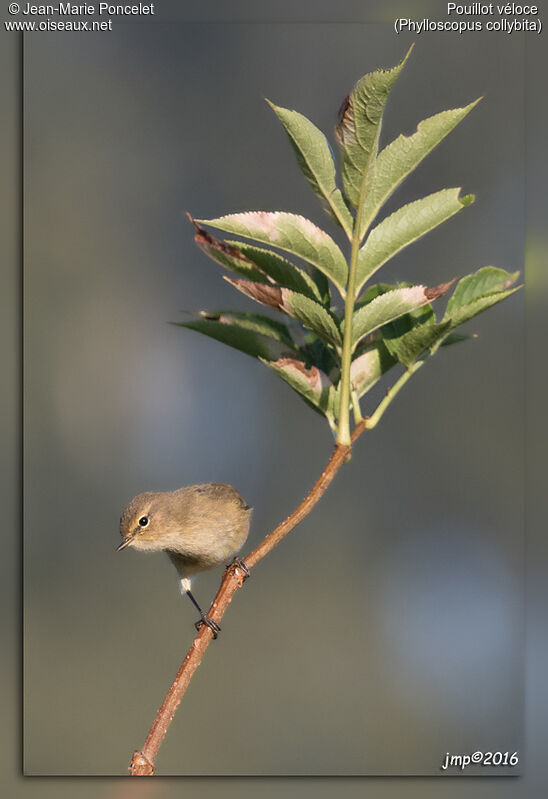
{"x": 204, "y": 618}
{"x": 238, "y": 563}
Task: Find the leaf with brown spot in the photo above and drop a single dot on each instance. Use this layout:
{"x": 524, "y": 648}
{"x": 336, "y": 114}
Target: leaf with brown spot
{"x": 310, "y": 313}
{"x": 290, "y": 232}
{"x": 386, "y": 308}
{"x": 357, "y": 130}
{"x": 434, "y": 292}
{"x": 226, "y": 254}
{"x": 309, "y": 382}
{"x": 266, "y": 295}
{"x": 279, "y": 269}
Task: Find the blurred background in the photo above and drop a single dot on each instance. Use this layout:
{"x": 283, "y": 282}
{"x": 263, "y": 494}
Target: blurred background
{"x": 388, "y": 629}
{"x": 400, "y": 599}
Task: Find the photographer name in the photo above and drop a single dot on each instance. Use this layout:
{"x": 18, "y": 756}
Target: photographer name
{"x": 86, "y": 9}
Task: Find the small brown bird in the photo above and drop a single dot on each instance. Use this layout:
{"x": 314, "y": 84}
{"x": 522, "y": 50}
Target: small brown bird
{"x": 199, "y": 527}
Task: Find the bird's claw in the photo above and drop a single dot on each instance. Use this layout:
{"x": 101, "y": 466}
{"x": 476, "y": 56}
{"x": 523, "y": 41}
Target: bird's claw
{"x": 208, "y": 622}
{"x": 238, "y": 563}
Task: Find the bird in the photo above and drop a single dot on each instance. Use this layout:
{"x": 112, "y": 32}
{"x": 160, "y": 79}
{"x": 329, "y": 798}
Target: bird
{"x": 199, "y": 527}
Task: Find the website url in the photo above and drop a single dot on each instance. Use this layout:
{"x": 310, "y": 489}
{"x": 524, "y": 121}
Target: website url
{"x": 26, "y": 25}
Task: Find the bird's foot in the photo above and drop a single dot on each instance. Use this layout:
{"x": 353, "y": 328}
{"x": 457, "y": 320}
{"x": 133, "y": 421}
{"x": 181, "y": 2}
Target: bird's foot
{"x": 238, "y": 563}
{"x": 213, "y": 626}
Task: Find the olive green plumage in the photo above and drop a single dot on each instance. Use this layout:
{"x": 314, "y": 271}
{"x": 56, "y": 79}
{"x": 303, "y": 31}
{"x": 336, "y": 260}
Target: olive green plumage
{"x": 200, "y": 526}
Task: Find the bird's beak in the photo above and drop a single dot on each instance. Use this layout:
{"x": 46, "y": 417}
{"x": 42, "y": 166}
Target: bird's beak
{"x": 125, "y": 543}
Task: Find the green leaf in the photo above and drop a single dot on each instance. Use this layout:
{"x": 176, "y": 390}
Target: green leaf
{"x": 368, "y": 368}
{"x": 410, "y": 336}
{"x": 258, "y": 323}
{"x": 316, "y": 163}
{"x": 312, "y": 315}
{"x": 400, "y": 157}
{"x": 389, "y": 306}
{"x": 408, "y": 347}
{"x": 310, "y": 383}
{"x": 282, "y": 271}
{"x": 404, "y": 226}
{"x": 477, "y": 292}
{"x": 292, "y": 233}
{"x": 322, "y": 285}
{"x": 487, "y": 280}
{"x": 228, "y": 254}
{"x": 359, "y": 124}
{"x": 255, "y": 263}
{"x": 253, "y": 334}
{"x": 309, "y": 312}
{"x": 376, "y": 289}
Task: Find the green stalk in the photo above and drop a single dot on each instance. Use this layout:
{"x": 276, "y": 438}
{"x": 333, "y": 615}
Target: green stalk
{"x": 356, "y": 408}
{"x": 373, "y": 420}
{"x": 343, "y": 437}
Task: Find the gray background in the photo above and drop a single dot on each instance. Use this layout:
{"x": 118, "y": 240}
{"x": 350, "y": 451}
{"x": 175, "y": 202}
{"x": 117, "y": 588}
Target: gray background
{"x": 388, "y": 629}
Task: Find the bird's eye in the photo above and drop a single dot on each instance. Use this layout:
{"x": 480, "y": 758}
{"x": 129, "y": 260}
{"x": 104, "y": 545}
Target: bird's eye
{"x": 143, "y": 521}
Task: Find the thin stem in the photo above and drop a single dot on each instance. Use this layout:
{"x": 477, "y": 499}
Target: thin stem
{"x": 350, "y": 299}
{"x": 375, "y": 418}
{"x": 356, "y": 408}
{"x": 344, "y": 414}
{"x": 372, "y": 421}
{"x": 339, "y": 456}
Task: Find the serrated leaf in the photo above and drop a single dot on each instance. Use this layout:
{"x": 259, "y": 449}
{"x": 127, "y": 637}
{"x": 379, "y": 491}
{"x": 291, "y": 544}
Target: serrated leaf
{"x": 309, "y": 312}
{"x": 292, "y": 233}
{"x": 404, "y": 226}
{"x": 472, "y": 309}
{"x": 358, "y": 127}
{"x": 408, "y": 337}
{"x": 312, "y": 315}
{"x": 316, "y": 162}
{"x": 408, "y": 347}
{"x": 279, "y": 269}
{"x": 255, "y": 263}
{"x": 477, "y": 292}
{"x": 391, "y": 305}
{"x": 310, "y": 383}
{"x": 250, "y": 333}
{"x": 400, "y": 157}
{"x": 486, "y": 280}
{"x": 258, "y": 323}
{"x": 228, "y": 254}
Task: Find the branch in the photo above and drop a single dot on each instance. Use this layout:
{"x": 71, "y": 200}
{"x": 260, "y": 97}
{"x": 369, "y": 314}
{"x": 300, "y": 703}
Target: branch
{"x": 142, "y": 764}
{"x": 143, "y": 760}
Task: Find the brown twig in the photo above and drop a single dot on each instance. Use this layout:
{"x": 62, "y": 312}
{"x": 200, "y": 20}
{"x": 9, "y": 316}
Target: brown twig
{"x": 142, "y": 764}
